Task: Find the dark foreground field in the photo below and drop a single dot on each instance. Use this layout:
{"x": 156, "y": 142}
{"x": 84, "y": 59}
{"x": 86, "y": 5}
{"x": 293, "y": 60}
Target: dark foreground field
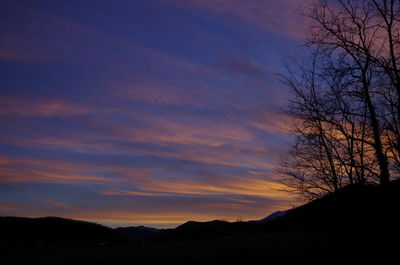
{"x": 291, "y": 247}
{"x": 359, "y": 225}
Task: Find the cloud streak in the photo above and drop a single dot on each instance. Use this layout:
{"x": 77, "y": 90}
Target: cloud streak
{"x": 54, "y": 108}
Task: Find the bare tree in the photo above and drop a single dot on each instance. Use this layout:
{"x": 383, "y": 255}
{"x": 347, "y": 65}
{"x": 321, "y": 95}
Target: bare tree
{"x": 309, "y": 166}
{"x": 387, "y": 14}
{"x": 345, "y": 101}
{"x": 330, "y": 149}
{"x": 348, "y": 31}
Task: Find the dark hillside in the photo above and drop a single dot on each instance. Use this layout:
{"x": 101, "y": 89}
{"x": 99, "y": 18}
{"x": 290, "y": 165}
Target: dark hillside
{"x": 353, "y": 208}
{"x": 54, "y": 231}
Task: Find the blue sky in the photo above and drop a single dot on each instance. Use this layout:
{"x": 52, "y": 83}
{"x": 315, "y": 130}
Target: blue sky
{"x": 149, "y": 112}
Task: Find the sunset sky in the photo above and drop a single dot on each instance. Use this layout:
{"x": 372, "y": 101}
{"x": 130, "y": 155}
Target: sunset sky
{"x": 144, "y": 112}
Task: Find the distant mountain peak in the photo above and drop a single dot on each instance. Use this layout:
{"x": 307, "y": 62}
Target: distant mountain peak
{"x": 271, "y": 217}
{"x": 138, "y": 232}
{"x": 191, "y": 224}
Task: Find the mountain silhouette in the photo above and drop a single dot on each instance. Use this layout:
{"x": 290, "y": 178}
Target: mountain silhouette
{"x": 356, "y": 225}
{"x": 55, "y": 231}
{"x": 138, "y": 233}
{"x": 191, "y": 229}
{"x": 270, "y": 217}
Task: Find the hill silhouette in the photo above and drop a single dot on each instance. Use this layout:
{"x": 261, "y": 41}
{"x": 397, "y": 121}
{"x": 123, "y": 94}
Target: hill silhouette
{"x": 139, "y": 233}
{"x": 351, "y": 208}
{"x": 357, "y": 225}
{"x": 55, "y": 231}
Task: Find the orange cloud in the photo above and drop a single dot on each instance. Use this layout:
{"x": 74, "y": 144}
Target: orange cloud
{"x": 227, "y": 185}
{"x": 214, "y": 141}
{"x": 43, "y": 170}
{"x": 24, "y": 170}
{"x": 273, "y": 122}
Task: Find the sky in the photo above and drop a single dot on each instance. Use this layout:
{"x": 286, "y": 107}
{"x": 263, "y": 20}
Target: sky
{"x": 144, "y": 112}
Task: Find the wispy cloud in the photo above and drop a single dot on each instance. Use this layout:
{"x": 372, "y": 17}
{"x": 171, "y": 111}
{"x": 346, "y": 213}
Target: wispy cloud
{"x": 282, "y": 17}
{"x": 41, "y": 108}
